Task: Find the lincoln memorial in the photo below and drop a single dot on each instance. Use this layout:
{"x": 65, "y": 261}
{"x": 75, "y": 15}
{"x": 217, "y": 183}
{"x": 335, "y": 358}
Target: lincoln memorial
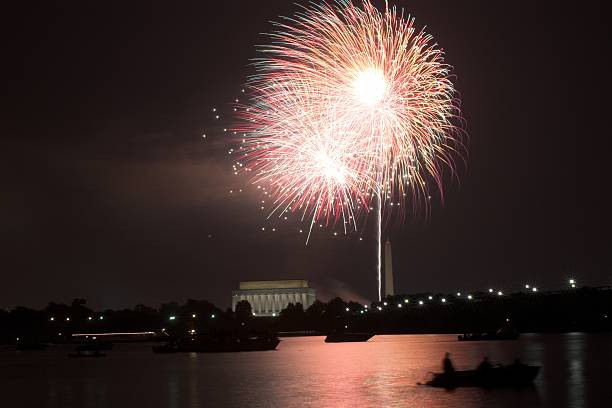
{"x": 268, "y": 298}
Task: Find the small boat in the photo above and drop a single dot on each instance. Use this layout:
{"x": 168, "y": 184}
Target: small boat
{"x": 514, "y": 375}
{"x": 220, "y": 344}
{"x": 506, "y": 332}
{"x": 348, "y": 337}
{"x": 31, "y": 346}
{"x": 488, "y": 336}
{"x": 93, "y": 346}
{"x": 86, "y": 354}
{"x": 165, "y": 348}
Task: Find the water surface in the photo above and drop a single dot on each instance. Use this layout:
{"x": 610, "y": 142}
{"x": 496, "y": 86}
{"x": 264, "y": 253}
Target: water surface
{"x": 306, "y": 372}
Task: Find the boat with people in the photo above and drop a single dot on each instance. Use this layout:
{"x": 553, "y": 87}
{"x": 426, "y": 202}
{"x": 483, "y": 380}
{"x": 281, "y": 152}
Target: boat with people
{"x": 513, "y": 375}
{"x": 348, "y": 337}
{"x": 220, "y": 344}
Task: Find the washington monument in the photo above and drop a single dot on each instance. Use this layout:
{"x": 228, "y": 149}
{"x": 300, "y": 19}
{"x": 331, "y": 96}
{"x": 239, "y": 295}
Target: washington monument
{"x": 389, "y": 291}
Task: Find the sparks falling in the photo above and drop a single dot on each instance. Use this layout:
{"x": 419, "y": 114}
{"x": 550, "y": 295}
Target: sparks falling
{"x": 349, "y": 105}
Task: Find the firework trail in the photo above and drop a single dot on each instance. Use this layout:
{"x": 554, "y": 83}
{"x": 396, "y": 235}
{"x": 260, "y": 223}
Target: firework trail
{"x": 349, "y": 104}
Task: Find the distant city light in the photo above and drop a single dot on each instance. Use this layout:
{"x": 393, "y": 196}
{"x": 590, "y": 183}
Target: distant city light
{"x": 534, "y": 289}
{"x": 469, "y": 297}
{"x": 379, "y": 308}
{"x": 172, "y": 318}
{"x": 366, "y": 306}
{"x": 572, "y": 281}
{"x": 490, "y": 290}
{"x": 67, "y": 319}
{"x": 399, "y": 305}
{"x": 500, "y": 293}
{"x": 573, "y": 285}
{"x": 193, "y": 315}
{"x": 458, "y": 293}
{"x": 385, "y": 303}
{"x": 52, "y": 319}
{"x": 526, "y": 286}
{"x": 89, "y": 318}
{"x": 212, "y": 316}
{"x": 406, "y": 301}
{"x": 347, "y": 309}
{"x": 273, "y": 314}
{"x": 101, "y": 318}
{"x": 430, "y": 297}
{"x": 420, "y": 302}
{"x": 443, "y": 300}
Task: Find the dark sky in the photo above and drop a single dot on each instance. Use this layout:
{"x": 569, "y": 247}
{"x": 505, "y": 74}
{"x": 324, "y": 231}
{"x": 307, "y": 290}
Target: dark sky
{"x": 109, "y": 192}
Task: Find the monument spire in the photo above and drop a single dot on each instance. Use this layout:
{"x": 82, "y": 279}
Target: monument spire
{"x": 389, "y": 290}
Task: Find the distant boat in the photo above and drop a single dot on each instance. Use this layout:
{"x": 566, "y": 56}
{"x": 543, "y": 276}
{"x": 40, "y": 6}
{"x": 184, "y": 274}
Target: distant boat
{"x": 348, "y": 337}
{"x": 488, "y": 336}
{"x": 220, "y": 344}
{"x": 31, "y": 346}
{"x": 514, "y": 375}
{"x": 506, "y": 332}
{"x": 87, "y": 354}
{"x": 93, "y": 346}
{"x": 170, "y": 347}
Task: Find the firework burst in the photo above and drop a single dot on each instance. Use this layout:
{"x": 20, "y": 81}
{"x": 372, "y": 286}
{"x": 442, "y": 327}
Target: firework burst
{"x": 348, "y": 104}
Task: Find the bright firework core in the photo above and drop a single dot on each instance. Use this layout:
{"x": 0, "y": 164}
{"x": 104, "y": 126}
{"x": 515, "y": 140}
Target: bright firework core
{"x": 370, "y": 86}
{"x": 331, "y": 169}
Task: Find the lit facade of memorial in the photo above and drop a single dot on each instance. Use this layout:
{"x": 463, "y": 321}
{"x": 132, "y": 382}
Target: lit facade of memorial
{"x": 268, "y": 298}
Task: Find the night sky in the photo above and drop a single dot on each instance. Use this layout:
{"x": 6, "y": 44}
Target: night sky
{"x": 109, "y": 192}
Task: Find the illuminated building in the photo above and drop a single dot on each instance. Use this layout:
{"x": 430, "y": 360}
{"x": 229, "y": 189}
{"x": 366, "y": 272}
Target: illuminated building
{"x": 268, "y": 298}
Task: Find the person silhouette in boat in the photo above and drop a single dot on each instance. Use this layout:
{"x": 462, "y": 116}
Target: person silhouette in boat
{"x": 484, "y": 365}
{"x": 447, "y": 364}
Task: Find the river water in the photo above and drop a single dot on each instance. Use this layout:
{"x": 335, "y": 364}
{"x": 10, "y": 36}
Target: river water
{"x": 306, "y": 372}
